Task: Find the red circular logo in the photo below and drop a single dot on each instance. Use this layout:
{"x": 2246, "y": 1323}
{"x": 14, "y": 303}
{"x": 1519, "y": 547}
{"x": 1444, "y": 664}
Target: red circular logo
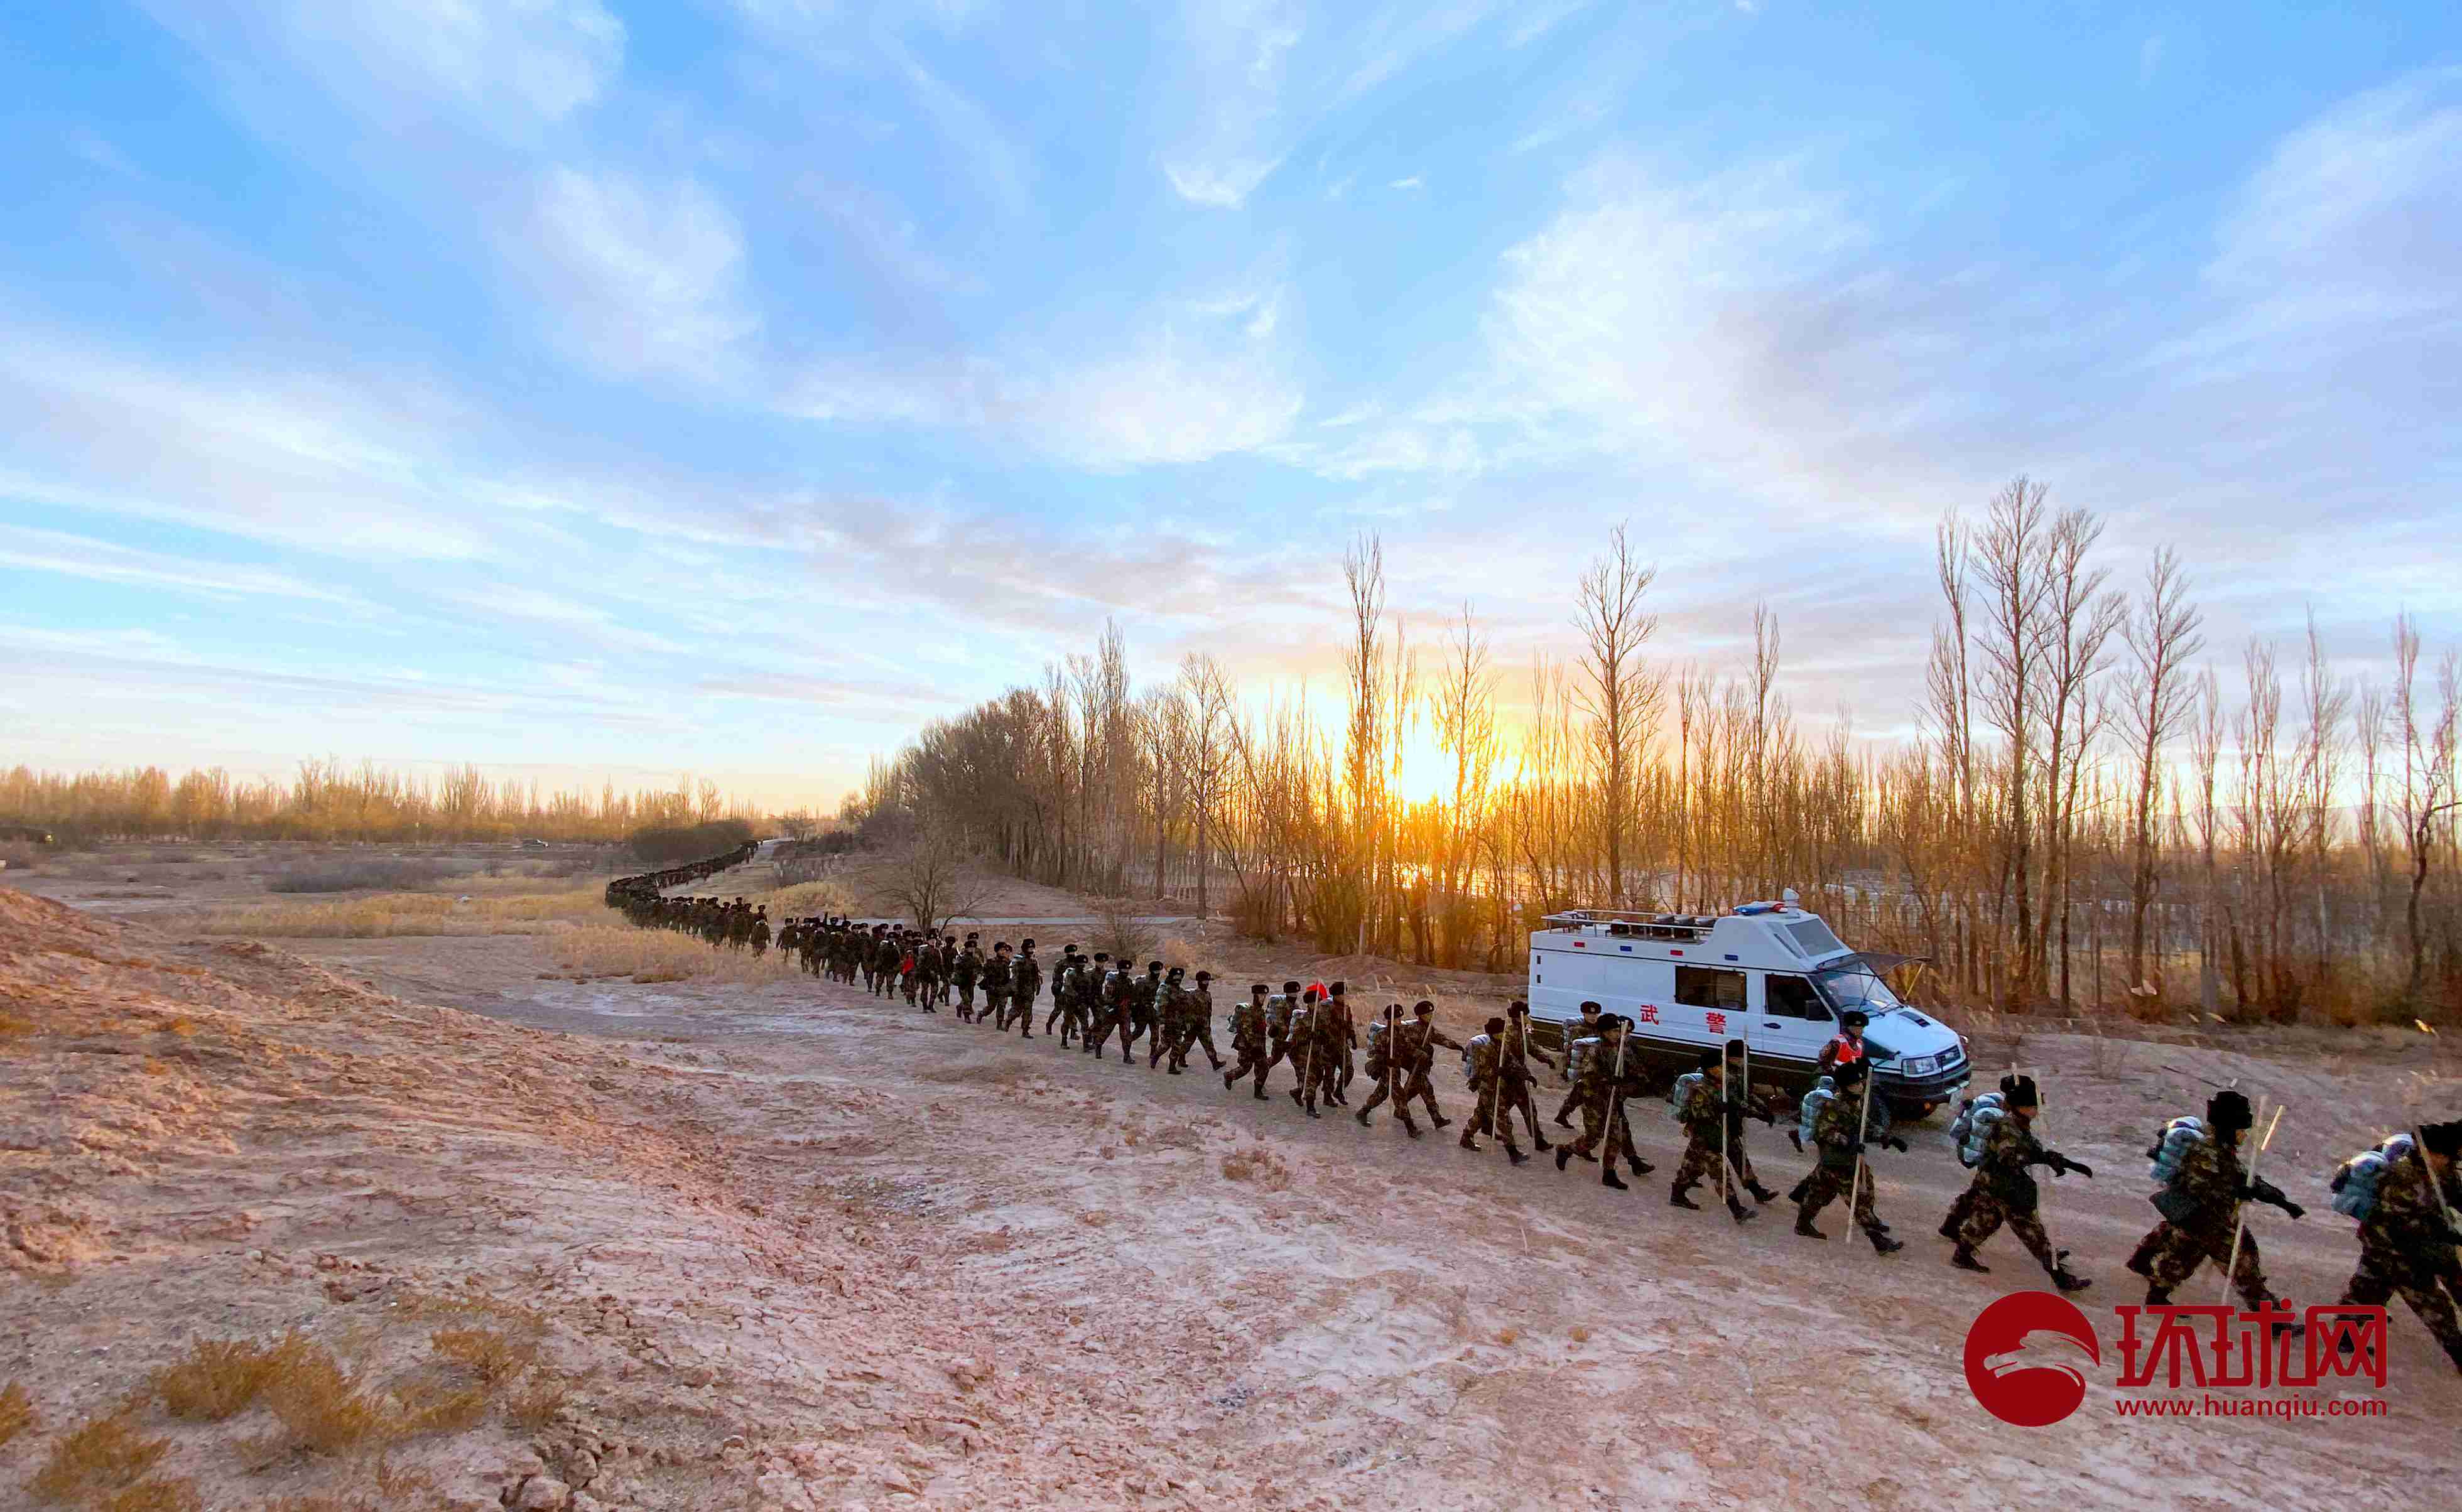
{"x": 2015, "y": 1362}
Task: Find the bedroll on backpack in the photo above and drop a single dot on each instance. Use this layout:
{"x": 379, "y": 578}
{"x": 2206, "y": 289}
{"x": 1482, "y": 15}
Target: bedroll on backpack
{"x": 1974, "y": 1126}
{"x": 2355, "y": 1185}
{"x": 2171, "y": 1146}
{"x": 1823, "y": 1093}
{"x": 1682, "y": 1089}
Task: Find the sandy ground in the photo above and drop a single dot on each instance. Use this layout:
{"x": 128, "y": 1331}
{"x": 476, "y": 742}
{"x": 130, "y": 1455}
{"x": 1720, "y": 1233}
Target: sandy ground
{"x": 793, "y": 1246}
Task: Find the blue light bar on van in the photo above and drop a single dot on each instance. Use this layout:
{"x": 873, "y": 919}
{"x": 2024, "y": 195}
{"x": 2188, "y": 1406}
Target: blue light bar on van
{"x": 1732, "y": 958}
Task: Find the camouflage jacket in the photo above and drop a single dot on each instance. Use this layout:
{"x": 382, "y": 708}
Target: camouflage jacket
{"x": 998, "y": 973}
{"x": 1414, "y": 1045}
{"x": 2206, "y": 1191}
{"x": 2409, "y": 1222}
{"x": 1248, "y": 1022}
{"x": 1026, "y": 978}
{"x": 1834, "y": 1129}
{"x": 2008, "y": 1150}
{"x": 968, "y": 969}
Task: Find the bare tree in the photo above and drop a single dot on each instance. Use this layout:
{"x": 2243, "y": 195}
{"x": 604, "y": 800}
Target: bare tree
{"x": 2164, "y": 638}
{"x": 931, "y": 882}
{"x": 1618, "y": 695}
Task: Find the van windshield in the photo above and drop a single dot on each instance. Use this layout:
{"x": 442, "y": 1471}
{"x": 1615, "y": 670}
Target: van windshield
{"x": 1855, "y": 987}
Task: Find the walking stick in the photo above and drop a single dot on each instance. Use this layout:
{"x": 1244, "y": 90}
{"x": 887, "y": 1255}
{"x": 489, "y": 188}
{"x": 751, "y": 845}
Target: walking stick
{"x": 1863, "y": 1125}
{"x": 2240, "y": 1210}
{"x": 1616, "y": 1105}
{"x": 1495, "y": 1086}
{"x": 1726, "y": 1106}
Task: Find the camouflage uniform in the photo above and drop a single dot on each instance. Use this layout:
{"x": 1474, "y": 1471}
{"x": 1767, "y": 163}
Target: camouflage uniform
{"x": 2407, "y": 1249}
{"x": 1714, "y": 1124}
{"x": 1067, "y": 1012}
{"x": 1249, "y": 1038}
{"x": 1195, "y": 1026}
{"x": 885, "y": 956}
{"x": 2004, "y": 1191}
{"x": 1581, "y": 1040}
{"x": 931, "y": 969}
{"x": 1024, "y": 986}
{"x": 962, "y": 976}
{"x": 1410, "y": 1055}
{"x": 2201, "y": 1209}
{"x": 1498, "y": 1080}
{"x": 1842, "y": 1129}
{"x": 996, "y": 974}
{"x": 1603, "y": 1091}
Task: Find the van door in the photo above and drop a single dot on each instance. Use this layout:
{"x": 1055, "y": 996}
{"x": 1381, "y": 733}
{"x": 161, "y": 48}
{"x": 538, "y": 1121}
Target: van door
{"x": 1791, "y": 1022}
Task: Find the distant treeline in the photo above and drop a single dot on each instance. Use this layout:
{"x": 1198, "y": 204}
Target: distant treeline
{"x": 329, "y": 800}
{"x": 667, "y": 845}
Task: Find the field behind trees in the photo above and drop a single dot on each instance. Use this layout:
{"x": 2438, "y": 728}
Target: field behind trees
{"x": 2102, "y": 812}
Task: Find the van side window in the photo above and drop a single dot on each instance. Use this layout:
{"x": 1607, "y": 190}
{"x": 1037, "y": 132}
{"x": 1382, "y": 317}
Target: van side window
{"x": 1708, "y": 987}
{"x": 1793, "y": 997}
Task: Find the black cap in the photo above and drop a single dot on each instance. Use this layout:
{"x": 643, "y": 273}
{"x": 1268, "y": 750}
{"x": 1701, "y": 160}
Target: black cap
{"x": 1496, "y": 1025}
{"x": 1154, "y": 966}
{"x": 1174, "y": 973}
{"x": 1517, "y": 1006}
{"x": 2019, "y": 1091}
{"x": 1260, "y": 987}
{"x": 1423, "y": 1008}
{"x": 2445, "y": 1138}
{"x": 1102, "y": 955}
{"x": 1589, "y": 1008}
{"x": 999, "y": 945}
{"x": 1290, "y": 987}
{"x": 1853, "y": 1017}
{"x": 1205, "y": 976}
{"x": 1709, "y": 1060}
{"x": 1336, "y": 989}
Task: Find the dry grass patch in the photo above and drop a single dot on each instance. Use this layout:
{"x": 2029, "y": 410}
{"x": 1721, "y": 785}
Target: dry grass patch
{"x": 16, "y": 1411}
{"x": 389, "y": 915}
{"x": 534, "y": 1403}
{"x": 1257, "y": 1164}
{"x": 661, "y": 955}
{"x": 98, "y": 1458}
{"x": 490, "y": 1355}
{"x": 327, "y": 1409}
{"x": 12, "y": 1024}
{"x": 223, "y": 1377}
{"x": 155, "y": 1496}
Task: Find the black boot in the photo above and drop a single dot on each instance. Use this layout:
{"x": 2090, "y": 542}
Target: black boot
{"x": 1362, "y": 1116}
{"x": 1564, "y": 1153}
{"x": 1740, "y": 1213}
{"x": 1443, "y": 1122}
{"x": 1611, "y": 1178}
{"x": 1642, "y": 1168}
{"x": 1678, "y": 1199}
{"x": 2068, "y": 1280}
{"x": 2158, "y": 1297}
{"x": 1514, "y": 1155}
{"x": 1883, "y": 1245}
{"x": 1408, "y": 1126}
{"x": 1541, "y": 1140}
{"x": 1804, "y": 1227}
{"x": 1761, "y": 1193}
{"x": 1964, "y": 1259}
{"x": 1467, "y": 1144}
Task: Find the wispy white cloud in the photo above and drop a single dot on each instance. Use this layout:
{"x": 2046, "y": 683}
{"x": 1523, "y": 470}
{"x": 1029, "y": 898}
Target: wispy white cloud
{"x": 1236, "y": 133}
{"x": 634, "y": 278}
{"x": 502, "y": 65}
{"x": 69, "y": 555}
{"x": 1414, "y": 182}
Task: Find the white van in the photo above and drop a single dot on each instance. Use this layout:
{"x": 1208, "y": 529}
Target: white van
{"x": 1768, "y": 974}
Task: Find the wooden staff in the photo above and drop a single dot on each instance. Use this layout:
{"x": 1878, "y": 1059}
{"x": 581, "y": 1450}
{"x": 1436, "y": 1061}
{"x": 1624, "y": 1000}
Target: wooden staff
{"x": 2240, "y": 1210}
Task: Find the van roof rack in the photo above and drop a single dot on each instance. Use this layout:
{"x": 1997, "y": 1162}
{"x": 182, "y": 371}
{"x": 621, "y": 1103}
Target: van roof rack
{"x": 1626, "y": 920}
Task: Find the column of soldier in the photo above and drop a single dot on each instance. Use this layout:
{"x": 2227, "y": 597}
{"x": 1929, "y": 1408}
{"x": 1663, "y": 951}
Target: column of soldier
{"x": 2405, "y": 1191}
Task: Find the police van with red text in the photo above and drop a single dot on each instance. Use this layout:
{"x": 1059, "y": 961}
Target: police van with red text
{"x": 1768, "y": 974}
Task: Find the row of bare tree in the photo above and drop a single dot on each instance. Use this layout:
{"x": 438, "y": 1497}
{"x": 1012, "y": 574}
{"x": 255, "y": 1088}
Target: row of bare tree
{"x": 329, "y": 800}
{"x": 2088, "y": 818}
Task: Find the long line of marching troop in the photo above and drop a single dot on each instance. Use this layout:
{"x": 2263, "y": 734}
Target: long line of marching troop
{"x": 2405, "y": 1192}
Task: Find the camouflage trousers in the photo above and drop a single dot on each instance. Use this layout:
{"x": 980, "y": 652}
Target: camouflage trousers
{"x": 966, "y": 1001}
{"x": 1187, "y": 1037}
{"x": 1069, "y": 1016}
{"x": 995, "y": 1007}
{"x": 1248, "y": 1056}
{"x": 1981, "y": 1214}
{"x": 1316, "y": 1062}
{"x": 2385, "y": 1273}
{"x": 2172, "y": 1254}
{"x": 1827, "y": 1184}
{"x": 1018, "y": 1010}
{"x": 1701, "y": 1162}
{"x": 1609, "y": 1129}
{"x": 1491, "y": 1111}
{"x": 1404, "y": 1087}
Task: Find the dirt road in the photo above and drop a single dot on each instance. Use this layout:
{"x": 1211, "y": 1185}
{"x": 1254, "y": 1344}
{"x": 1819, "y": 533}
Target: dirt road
{"x": 1346, "y": 1313}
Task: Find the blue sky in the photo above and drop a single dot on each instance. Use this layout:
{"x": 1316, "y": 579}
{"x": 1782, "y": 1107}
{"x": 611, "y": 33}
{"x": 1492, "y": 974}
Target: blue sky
{"x": 734, "y": 386}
